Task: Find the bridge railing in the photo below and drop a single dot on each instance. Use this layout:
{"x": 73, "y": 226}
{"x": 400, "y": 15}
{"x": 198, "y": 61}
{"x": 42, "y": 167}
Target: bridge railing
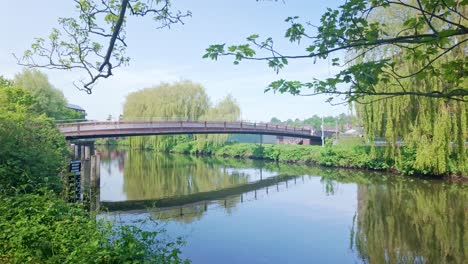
{"x": 221, "y": 125}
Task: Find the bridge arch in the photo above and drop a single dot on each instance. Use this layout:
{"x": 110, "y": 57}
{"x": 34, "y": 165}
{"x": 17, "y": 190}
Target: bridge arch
{"x": 86, "y": 130}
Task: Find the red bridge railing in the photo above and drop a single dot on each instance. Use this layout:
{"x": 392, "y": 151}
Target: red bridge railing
{"x": 129, "y": 128}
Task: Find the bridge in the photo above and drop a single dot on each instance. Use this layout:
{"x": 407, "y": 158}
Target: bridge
{"x": 85, "y": 130}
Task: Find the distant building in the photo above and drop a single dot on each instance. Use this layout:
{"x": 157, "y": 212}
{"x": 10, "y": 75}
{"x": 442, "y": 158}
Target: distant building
{"x": 77, "y": 108}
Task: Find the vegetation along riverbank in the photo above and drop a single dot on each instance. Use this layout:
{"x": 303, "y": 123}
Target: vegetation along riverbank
{"x": 37, "y": 225}
{"x": 185, "y": 100}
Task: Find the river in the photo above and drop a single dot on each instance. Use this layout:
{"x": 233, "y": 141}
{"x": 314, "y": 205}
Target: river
{"x": 244, "y": 211}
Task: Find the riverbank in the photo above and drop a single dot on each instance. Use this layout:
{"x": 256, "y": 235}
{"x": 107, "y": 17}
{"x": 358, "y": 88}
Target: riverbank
{"x": 37, "y": 224}
{"x": 339, "y": 156}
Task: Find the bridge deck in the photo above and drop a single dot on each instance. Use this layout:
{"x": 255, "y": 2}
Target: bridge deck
{"x": 119, "y": 129}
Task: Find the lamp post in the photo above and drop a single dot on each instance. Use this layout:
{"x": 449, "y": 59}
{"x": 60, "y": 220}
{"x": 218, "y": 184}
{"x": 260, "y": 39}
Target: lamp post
{"x": 323, "y": 136}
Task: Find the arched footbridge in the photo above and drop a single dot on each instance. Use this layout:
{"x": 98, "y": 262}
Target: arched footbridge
{"x": 84, "y": 130}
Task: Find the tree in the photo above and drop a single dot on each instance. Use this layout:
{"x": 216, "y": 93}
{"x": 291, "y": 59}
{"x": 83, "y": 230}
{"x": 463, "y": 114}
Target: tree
{"x": 50, "y": 100}
{"x": 95, "y": 41}
{"x": 182, "y": 100}
{"x": 227, "y": 110}
{"x": 33, "y": 151}
{"x": 275, "y": 120}
{"x": 405, "y": 71}
{"x": 433, "y": 31}
{"x": 47, "y": 99}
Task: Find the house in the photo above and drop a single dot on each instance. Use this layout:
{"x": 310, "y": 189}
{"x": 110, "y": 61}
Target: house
{"x": 77, "y": 108}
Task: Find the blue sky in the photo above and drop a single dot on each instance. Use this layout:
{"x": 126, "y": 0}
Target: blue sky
{"x": 173, "y": 54}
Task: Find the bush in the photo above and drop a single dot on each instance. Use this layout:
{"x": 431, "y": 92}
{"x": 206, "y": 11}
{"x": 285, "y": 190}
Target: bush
{"x": 32, "y": 153}
{"x": 44, "y": 229}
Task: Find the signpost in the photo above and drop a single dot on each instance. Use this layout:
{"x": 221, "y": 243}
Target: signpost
{"x": 75, "y": 180}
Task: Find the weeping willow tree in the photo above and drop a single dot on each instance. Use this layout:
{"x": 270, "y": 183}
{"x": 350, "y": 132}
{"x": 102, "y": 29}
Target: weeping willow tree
{"x": 226, "y": 110}
{"x": 182, "y": 100}
{"x": 185, "y": 101}
{"x": 432, "y": 130}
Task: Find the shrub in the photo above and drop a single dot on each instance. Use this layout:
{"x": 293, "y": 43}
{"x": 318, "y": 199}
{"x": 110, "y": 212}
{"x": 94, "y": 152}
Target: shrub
{"x": 44, "y": 229}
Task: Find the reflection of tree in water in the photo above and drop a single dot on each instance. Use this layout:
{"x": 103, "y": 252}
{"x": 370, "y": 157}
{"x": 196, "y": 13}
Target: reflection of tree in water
{"x": 108, "y": 154}
{"x": 411, "y": 222}
{"x": 192, "y": 212}
{"x": 185, "y": 214}
{"x": 150, "y": 175}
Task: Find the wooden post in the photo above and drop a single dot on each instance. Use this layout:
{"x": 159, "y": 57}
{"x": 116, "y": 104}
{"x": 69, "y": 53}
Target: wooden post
{"x": 87, "y": 152}
{"x": 92, "y": 183}
{"x": 76, "y": 151}
{"x": 82, "y": 152}
{"x": 85, "y": 179}
{"x": 98, "y": 172}
{"x": 95, "y": 182}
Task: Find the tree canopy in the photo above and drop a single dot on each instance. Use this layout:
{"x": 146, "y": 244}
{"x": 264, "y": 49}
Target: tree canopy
{"x": 47, "y": 98}
{"x": 342, "y": 122}
{"x": 185, "y": 101}
{"x": 426, "y": 32}
{"x": 226, "y": 110}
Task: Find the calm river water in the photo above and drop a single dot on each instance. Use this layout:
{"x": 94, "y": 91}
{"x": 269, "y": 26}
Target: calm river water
{"x": 237, "y": 211}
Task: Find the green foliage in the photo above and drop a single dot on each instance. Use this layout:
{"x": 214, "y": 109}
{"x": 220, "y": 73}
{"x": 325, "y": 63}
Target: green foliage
{"x": 37, "y": 226}
{"x": 48, "y": 99}
{"x": 423, "y": 31}
{"x": 183, "y": 100}
{"x": 44, "y": 229}
{"x": 315, "y": 121}
{"x": 94, "y": 40}
{"x": 33, "y": 151}
{"x": 433, "y": 130}
{"x": 405, "y": 71}
{"x": 361, "y": 157}
{"x": 226, "y": 110}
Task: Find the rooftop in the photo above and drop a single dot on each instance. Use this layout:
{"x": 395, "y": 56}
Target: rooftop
{"x": 75, "y": 107}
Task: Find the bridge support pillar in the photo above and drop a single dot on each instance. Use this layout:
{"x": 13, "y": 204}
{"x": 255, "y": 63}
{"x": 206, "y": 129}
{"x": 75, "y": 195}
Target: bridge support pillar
{"x": 82, "y": 152}
{"x": 76, "y": 151}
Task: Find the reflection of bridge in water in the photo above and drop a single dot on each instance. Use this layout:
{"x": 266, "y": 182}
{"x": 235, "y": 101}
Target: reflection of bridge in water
{"x": 245, "y": 192}
{"x": 82, "y": 130}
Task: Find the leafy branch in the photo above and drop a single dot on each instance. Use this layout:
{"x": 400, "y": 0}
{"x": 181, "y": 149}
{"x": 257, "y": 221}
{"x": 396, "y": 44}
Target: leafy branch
{"x": 435, "y": 29}
{"x": 95, "y": 41}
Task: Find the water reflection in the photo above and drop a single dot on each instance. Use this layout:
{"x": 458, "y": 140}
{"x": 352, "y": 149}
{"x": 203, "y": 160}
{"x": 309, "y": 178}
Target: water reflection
{"x": 309, "y": 214}
{"x": 412, "y": 222}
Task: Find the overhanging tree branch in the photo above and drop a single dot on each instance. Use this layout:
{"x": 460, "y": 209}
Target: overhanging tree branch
{"x": 95, "y": 41}
{"x": 432, "y": 31}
